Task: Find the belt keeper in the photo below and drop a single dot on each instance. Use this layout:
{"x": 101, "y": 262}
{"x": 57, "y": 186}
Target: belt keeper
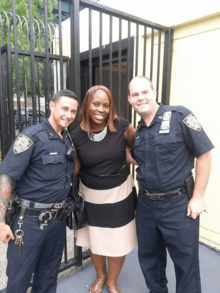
{"x": 31, "y": 204}
{"x": 168, "y": 196}
{"x": 22, "y": 213}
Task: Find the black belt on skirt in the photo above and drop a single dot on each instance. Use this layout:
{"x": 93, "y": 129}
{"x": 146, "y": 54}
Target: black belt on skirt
{"x": 162, "y": 196}
{"x": 116, "y": 173}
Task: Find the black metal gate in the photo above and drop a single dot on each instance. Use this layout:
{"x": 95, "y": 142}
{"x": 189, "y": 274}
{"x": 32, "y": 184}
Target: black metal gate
{"x": 105, "y": 46}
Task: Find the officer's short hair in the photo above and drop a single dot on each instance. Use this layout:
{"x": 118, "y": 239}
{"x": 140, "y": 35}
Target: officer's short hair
{"x": 64, "y": 93}
{"x": 144, "y": 77}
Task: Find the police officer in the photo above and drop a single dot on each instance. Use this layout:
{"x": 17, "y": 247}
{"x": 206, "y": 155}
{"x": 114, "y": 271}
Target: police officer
{"x": 168, "y": 139}
{"x": 38, "y": 165}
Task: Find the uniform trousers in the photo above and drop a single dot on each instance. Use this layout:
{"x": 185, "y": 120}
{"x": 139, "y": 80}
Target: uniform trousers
{"x": 164, "y": 225}
{"x": 41, "y": 254}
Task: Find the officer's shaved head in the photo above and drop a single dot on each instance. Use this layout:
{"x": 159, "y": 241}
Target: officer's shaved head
{"x": 140, "y": 77}
{"x": 64, "y": 93}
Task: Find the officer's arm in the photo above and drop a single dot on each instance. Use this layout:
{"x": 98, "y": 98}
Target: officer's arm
{"x": 202, "y": 171}
{"x": 6, "y": 186}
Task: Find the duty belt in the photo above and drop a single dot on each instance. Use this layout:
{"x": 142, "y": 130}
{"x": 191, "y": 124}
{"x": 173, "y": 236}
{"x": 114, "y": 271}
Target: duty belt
{"x": 38, "y": 205}
{"x": 162, "y": 196}
{"x": 44, "y": 211}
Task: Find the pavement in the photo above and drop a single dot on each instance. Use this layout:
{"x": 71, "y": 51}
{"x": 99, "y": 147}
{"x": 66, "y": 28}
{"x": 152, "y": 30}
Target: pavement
{"x": 131, "y": 279}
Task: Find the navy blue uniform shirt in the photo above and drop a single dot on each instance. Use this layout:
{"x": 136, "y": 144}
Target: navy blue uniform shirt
{"x": 165, "y": 160}
{"x": 38, "y": 162}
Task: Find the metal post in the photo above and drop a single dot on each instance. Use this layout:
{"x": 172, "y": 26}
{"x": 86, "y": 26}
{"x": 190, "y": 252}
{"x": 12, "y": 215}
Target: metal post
{"x": 75, "y": 48}
{"x": 168, "y": 44}
{"x": 33, "y": 92}
{"x": 74, "y": 79}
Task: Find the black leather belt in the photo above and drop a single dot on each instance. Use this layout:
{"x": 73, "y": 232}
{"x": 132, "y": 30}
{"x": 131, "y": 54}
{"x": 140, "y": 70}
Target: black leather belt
{"x": 116, "y": 173}
{"x": 161, "y": 196}
{"x": 38, "y": 205}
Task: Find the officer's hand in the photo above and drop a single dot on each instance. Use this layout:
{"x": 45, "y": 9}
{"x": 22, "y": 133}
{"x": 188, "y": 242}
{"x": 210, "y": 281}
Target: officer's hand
{"x": 5, "y": 233}
{"x": 195, "y": 207}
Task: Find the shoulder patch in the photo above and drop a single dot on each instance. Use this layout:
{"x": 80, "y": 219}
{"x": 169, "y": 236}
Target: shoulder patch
{"x": 21, "y": 144}
{"x": 192, "y": 122}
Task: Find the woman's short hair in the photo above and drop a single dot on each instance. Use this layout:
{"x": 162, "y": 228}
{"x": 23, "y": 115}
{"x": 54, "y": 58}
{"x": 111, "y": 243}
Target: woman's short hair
{"x": 84, "y": 112}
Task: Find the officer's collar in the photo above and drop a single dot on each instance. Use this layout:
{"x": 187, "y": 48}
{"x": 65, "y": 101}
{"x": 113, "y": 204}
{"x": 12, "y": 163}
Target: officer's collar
{"x": 159, "y": 115}
{"x": 51, "y": 132}
{"x": 157, "y": 118}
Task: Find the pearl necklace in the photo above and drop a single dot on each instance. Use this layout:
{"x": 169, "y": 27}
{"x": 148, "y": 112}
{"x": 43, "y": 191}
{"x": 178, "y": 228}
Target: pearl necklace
{"x": 97, "y": 136}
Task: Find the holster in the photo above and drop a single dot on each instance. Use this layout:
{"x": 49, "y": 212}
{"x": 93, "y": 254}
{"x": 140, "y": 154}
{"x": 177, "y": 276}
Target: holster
{"x": 189, "y": 184}
{"x": 67, "y": 209}
{"x": 10, "y": 214}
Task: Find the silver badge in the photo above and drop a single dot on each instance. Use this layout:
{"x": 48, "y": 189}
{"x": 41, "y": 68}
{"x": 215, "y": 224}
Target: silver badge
{"x": 192, "y": 122}
{"x": 21, "y": 144}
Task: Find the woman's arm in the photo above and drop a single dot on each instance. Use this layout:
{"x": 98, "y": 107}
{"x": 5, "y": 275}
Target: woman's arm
{"x": 129, "y": 158}
{"x": 130, "y": 135}
{"x": 77, "y": 164}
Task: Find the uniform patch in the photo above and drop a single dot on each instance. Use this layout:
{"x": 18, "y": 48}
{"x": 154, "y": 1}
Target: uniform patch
{"x": 192, "y": 122}
{"x": 21, "y": 144}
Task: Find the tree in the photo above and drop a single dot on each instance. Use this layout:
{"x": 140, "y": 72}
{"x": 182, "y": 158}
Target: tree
{"x": 23, "y": 38}
{"x": 22, "y": 8}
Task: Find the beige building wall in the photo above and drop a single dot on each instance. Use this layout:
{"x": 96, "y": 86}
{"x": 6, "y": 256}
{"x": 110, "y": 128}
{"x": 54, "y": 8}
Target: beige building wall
{"x": 195, "y": 83}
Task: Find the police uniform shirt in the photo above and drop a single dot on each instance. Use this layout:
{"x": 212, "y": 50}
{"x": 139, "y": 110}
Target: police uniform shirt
{"x": 38, "y": 162}
{"x": 165, "y": 160}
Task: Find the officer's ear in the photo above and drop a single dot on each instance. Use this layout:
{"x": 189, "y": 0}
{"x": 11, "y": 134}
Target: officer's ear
{"x": 129, "y": 99}
{"x": 52, "y": 105}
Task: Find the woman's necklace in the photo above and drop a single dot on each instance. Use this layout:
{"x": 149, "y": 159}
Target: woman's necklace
{"x": 97, "y": 136}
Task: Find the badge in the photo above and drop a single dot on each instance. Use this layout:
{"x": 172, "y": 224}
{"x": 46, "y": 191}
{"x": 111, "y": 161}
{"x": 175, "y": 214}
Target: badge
{"x": 192, "y": 122}
{"x": 21, "y": 144}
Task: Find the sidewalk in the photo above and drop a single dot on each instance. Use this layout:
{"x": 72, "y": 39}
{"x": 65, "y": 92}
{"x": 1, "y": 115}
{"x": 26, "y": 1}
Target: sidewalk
{"x": 132, "y": 281}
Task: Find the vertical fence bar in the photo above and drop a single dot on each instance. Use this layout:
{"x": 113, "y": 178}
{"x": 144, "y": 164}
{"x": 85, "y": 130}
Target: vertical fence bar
{"x": 128, "y": 67}
{"x": 46, "y": 61}
{"x": 60, "y": 44}
{"x": 145, "y": 51}
{"x": 16, "y": 68}
{"x": 75, "y": 51}
{"x": 136, "y": 59}
{"x": 90, "y": 46}
{"x": 168, "y": 44}
{"x": 110, "y": 52}
{"x": 100, "y": 47}
{"x": 2, "y": 112}
{"x": 158, "y": 63}
{"x": 33, "y": 92}
{"x": 75, "y": 80}
{"x": 152, "y": 54}
{"x": 119, "y": 68}
{"x": 137, "y": 49}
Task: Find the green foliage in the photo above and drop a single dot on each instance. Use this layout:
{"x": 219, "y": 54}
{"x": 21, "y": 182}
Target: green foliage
{"x": 22, "y": 8}
{"x": 23, "y": 41}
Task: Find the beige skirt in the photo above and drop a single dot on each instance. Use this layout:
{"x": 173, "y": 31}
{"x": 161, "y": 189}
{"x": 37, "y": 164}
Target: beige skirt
{"x": 111, "y": 230}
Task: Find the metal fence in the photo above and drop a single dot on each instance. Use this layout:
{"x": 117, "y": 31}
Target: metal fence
{"x": 95, "y": 45}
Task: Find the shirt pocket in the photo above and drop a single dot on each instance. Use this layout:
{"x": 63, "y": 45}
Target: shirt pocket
{"x": 165, "y": 147}
{"x": 52, "y": 166}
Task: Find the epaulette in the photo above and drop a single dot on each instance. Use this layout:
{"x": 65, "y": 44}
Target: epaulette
{"x": 33, "y": 129}
{"x": 180, "y": 109}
